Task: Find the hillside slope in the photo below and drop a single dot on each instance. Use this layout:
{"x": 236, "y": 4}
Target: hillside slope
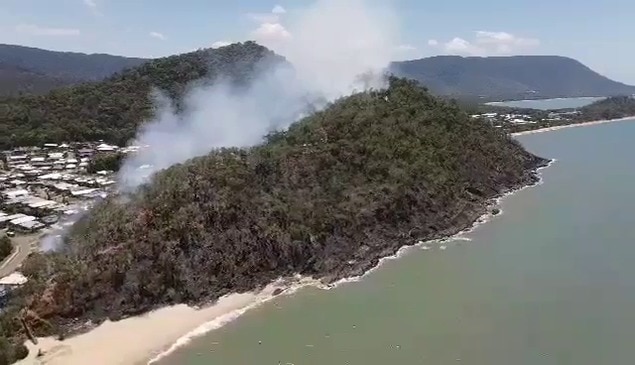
{"x": 113, "y": 109}
{"x": 517, "y": 77}
{"x": 37, "y": 71}
{"x": 15, "y": 81}
{"x": 327, "y": 198}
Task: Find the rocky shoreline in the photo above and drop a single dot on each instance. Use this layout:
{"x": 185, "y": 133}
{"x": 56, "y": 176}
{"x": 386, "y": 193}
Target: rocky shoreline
{"x": 465, "y": 221}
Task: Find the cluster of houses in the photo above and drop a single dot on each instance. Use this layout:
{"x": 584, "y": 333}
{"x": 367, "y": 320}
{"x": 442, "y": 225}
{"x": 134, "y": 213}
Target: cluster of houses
{"x": 564, "y": 115}
{"x": 499, "y": 120}
{"x": 40, "y": 186}
{"x": 46, "y": 187}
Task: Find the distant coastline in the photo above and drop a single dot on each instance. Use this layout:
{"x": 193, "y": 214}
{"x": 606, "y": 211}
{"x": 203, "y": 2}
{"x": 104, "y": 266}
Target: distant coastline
{"x": 545, "y": 99}
{"x": 572, "y": 125}
{"x": 548, "y": 103}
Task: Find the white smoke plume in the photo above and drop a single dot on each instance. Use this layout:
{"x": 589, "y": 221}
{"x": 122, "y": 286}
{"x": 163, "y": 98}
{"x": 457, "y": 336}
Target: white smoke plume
{"x": 53, "y": 240}
{"x": 329, "y": 44}
{"x": 334, "y": 41}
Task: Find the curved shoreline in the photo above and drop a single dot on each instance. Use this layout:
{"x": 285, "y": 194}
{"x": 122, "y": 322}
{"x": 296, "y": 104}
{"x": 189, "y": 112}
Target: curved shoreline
{"x": 572, "y": 125}
{"x": 304, "y": 282}
{"x": 151, "y": 337}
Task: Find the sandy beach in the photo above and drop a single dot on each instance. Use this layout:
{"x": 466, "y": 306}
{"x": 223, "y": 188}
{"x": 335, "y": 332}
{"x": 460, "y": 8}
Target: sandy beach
{"x": 585, "y": 124}
{"x": 139, "y": 339}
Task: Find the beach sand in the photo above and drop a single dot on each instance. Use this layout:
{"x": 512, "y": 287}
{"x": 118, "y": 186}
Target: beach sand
{"x": 139, "y": 339}
{"x": 585, "y": 124}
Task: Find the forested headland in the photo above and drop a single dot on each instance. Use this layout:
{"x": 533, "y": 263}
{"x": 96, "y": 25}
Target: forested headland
{"x": 327, "y": 198}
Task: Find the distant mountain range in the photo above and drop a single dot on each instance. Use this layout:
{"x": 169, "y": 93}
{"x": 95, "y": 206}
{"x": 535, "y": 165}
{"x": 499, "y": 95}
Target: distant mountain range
{"x": 506, "y": 78}
{"x": 37, "y": 71}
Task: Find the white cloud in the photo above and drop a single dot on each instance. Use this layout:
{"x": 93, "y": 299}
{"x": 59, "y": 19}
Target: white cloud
{"x": 406, "y": 48}
{"x": 271, "y": 17}
{"x": 271, "y": 32}
{"x": 157, "y": 35}
{"x": 461, "y": 46}
{"x": 36, "y": 30}
{"x": 487, "y": 43}
{"x": 405, "y": 52}
{"x": 219, "y": 44}
{"x": 504, "y": 43}
{"x": 90, "y": 3}
{"x": 264, "y": 17}
{"x": 329, "y": 52}
{"x": 278, "y": 10}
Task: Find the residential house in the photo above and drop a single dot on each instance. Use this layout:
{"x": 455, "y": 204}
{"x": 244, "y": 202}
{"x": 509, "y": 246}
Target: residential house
{"x": 85, "y": 152}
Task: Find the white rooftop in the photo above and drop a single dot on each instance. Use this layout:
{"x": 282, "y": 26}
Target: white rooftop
{"x": 56, "y": 155}
{"x": 106, "y": 147}
{"x": 15, "y": 193}
{"x": 15, "y": 278}
{"x": 41, "y": 203}
{"x": 27, "y": 218}
{"x": 15, "y": 216}
{"x": 53, "y": 176}
{"x": 31, "y": 224}
{"x": 83, "y": 192}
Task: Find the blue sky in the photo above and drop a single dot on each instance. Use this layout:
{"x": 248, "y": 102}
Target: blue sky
{"x": 598, "y": 33}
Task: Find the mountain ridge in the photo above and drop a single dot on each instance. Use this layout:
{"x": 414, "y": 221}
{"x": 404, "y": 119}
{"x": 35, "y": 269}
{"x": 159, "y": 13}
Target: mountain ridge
{"x": 509, "y": 77}
{"x": 30, "y": 70}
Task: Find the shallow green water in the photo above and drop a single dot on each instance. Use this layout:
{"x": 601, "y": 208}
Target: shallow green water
{"x": 546, "y": 104}
{"x": 551, "y": 281}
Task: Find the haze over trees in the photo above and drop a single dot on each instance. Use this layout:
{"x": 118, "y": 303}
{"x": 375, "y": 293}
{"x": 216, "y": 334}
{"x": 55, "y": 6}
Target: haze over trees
{"x": 113, "y": 109}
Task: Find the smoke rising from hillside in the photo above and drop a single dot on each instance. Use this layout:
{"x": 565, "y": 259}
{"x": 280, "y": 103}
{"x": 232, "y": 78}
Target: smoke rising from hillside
{"x": 329, "y": 44}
